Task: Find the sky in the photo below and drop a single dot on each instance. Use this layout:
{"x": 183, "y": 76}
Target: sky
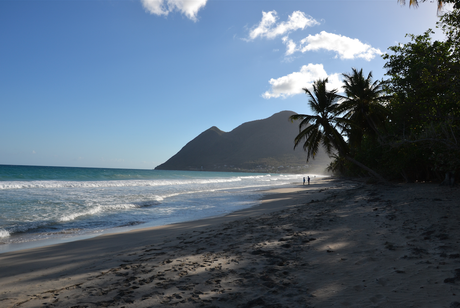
{"x": 127, "y": 83}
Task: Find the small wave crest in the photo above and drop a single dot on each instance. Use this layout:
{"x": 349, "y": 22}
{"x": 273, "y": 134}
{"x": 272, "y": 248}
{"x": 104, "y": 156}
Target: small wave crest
{"x": 73, "y": 216}
{"x": 6, "y": 185}
{"x": 4, "y": 233}
{"x": 110, "y": 207}
{"x": 30, "y": 226}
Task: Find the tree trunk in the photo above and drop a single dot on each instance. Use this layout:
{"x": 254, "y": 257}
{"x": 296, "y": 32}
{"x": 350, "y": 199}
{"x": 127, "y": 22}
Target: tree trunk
{"x": 372, "y": 172}
{"x": 405, "y": 177}
{"x": 449, "y": 179}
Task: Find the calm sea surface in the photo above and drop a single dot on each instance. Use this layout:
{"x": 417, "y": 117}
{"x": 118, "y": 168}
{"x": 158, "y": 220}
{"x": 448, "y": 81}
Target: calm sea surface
{"x": 42, "y": 203}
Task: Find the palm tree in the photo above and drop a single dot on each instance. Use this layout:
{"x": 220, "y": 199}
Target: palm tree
{"x": 321, "y": 129}
{"x": 363, "y": 106}
{"x": 415, "y": 3}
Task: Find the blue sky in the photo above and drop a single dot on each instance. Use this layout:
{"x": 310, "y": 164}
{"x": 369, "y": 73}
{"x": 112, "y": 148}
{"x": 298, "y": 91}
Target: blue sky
{"x": 127, "y": 83}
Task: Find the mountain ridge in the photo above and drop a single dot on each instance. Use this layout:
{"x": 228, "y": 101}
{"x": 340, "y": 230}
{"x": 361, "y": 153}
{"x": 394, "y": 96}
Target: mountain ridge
{"x": 265, "y": 145}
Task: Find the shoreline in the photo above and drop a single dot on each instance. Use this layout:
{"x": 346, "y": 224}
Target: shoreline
{"x": 342, "y": 243}
{"x": 56, "y": 239}
{"x": 66, "y": 225}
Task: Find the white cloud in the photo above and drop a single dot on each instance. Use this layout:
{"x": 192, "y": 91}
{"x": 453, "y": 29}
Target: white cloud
{"x": 290, "y": 46}
{"x": 293, "y": 83}
{"x": 268, "y": 27}
{"x": 345, "y": 47}
{"x": 189, "y": 8}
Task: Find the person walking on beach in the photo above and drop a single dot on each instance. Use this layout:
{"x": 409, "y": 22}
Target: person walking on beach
{"x": 303, "y": 180}
{"x": 308, "y": 180}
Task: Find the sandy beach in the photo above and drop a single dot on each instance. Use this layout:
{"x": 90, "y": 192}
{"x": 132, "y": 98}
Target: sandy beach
{"x": 335, "y": 243}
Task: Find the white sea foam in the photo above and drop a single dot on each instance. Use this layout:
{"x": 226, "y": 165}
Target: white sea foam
{"x": 5, "y": 185}
{"x": 95, "y": 184}
{"x": 73, "y": 216}
{"x": 4, "y": 233}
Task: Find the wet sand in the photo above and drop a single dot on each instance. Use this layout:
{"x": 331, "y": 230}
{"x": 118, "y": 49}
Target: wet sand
{"x": 335, "y": 243}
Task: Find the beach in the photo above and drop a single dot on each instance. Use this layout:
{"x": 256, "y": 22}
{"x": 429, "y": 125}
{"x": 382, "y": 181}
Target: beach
{"x": 335, "y": 243}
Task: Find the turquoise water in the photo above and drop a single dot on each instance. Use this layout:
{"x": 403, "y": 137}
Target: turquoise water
{"x": 38, "y": 203}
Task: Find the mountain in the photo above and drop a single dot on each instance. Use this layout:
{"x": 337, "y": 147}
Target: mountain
{"x": 258, "y": 146}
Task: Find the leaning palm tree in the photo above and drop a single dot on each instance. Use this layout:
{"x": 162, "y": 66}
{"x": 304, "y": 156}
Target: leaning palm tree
{"x": 363, "y": 105}
{"x": 322, "y": 128}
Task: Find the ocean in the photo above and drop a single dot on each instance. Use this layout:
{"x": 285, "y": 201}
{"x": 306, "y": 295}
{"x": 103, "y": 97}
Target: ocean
{"x": 43, "y": 204}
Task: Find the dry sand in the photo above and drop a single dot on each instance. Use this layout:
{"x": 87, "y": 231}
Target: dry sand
{"x": 332, "y": 244}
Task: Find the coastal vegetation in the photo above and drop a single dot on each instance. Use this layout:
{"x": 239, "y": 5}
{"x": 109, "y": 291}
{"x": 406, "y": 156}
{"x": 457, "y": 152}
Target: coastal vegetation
{"x": 405, "y": 127}
{"x": 440, "y": 3}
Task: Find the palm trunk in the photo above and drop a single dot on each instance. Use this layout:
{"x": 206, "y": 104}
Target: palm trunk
{"x": 341, "y": 148}
{"x": 372, "y": 172}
